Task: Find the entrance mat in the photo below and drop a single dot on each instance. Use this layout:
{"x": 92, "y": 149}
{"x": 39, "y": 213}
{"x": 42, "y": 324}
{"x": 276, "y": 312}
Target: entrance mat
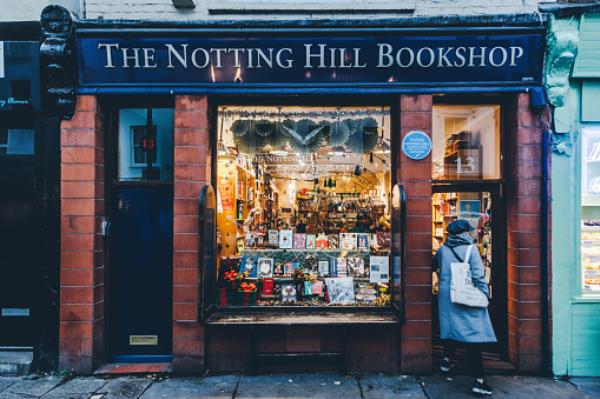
{"x": 134, "y": 368}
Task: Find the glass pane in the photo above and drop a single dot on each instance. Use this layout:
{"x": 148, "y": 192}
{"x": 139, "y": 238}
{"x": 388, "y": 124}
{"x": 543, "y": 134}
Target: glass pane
{"x": 476, "y": 207}
{"x": 145, "y": 154}
{"x": 304, "y": 206}
{"x": 590, "y": 211}
{"x": 466, "y": 142}
{"x": 17, "y": 142}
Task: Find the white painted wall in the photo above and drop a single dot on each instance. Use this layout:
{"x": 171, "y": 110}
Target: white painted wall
{"x": 30, "y": 10}
{"x": 262, "y": 9}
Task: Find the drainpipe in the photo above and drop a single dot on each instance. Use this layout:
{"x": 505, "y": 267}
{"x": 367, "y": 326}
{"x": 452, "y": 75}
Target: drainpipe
{"x": 545, "y": 292}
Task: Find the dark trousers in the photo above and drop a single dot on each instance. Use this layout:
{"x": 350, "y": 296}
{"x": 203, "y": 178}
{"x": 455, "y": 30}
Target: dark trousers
{"x": 474, "y": 355}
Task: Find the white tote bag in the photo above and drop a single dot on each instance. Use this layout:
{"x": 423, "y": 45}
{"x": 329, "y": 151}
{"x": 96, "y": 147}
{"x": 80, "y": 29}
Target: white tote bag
{"x": 462, "y": 289}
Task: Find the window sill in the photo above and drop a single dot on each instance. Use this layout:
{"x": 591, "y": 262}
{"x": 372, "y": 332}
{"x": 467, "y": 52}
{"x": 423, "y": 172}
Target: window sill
{"x": 303, "y": 316}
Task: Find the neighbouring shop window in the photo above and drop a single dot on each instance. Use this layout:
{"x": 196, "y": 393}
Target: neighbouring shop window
{"x": 590, "y": 210}
{"x": 146, "y": 144}
{"x": 16, "y": 142}
{"x": 466, "y": 142}
{"x": 303, "y": 206}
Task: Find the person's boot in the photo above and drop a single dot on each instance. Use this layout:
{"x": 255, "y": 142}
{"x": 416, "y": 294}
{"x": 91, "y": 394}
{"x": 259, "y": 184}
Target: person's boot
{"x": 481, "y": 388}
{"x": 447, "y": 365}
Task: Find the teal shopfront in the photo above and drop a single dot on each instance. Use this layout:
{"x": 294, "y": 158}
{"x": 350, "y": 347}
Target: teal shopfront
{"x": 576, "y": 195}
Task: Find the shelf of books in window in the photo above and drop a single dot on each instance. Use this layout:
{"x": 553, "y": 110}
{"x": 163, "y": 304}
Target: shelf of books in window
{"x": 301, "y": 277}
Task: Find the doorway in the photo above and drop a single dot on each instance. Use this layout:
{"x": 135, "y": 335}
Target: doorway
{"x": 140, "y": 235}
{"x": 20, "y": 239}
{"x": 483, "y": 207}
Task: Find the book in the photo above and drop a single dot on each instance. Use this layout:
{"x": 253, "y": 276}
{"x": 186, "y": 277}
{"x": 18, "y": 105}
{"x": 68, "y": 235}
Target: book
{"x": 299, "y": 241}
{"x": 362, "y": 242}
{"x": 323, "y": 268}
{"x": 273, "y": 237}
{"x": 341, "y": 290}
{"x": 265, "y": 267}
{"x": 342, "y": 267}
{"x": 356, "y": 267}
{"x": 379, "y": 269}
{"x": 285, "y": 239}
{"x": 311, "y": 241}
{"x": 322, "y": 241}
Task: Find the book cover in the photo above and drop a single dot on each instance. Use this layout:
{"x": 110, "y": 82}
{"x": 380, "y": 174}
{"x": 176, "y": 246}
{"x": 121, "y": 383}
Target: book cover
{"x": 299, "y": 241}
{"x": 285, "y": 239}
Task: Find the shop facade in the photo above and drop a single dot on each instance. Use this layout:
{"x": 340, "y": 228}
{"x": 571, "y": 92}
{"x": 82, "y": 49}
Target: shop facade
{"x": 29, "y": 198}
{"x": 261, "y": 198}
{"x": 575, "y": 291}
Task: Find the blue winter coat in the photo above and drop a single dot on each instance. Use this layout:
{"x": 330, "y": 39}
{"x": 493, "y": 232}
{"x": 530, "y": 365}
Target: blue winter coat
{"x": 458, "y": 322}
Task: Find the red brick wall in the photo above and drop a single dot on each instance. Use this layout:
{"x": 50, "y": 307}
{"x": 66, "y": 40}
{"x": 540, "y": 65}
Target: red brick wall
{"x": 416, "y": 350}
{"x": 192, "y": 172}
{"x": 82, "y": 257}
{"x": 523, "y": 194}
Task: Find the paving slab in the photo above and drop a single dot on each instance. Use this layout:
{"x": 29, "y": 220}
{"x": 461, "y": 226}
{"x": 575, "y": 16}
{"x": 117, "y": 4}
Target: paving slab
{"x": 76, "y": 388}
{"x": 124, "y": 388}
{"x": 323, "y": 386}
{"x": 214, "y": 387}
{"x": 35, "y": 387}
{"x": 381, "y": 386}
{"x": 590, "y": 386}
{"x": 5, "y": 382}
{"x": 513, "y": 387}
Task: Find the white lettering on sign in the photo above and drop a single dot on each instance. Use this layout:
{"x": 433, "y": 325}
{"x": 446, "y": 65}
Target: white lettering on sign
{"x": 468, "y": 167}
{"x": 1, "y": 59}
{"x": 319, "y": 55}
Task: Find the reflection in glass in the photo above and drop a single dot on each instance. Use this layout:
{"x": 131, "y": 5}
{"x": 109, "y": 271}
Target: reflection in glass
{"x": 146, "y": 152}
{"x": 466, "y": 142}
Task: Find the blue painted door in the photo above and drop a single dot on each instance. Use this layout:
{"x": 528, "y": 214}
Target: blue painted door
{"x": 140, "y": 261}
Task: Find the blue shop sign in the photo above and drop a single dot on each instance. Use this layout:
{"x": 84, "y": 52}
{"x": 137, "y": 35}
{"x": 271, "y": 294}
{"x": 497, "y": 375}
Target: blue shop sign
{"x": 416, "y": 145}
{"x": 382, "y": 60}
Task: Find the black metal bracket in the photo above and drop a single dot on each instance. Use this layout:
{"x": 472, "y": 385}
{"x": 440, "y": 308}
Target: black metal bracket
{"x": 58, "y": 64}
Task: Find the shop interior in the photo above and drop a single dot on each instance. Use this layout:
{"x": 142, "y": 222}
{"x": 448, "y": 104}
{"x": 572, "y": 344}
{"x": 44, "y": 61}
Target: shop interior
{"x": 303, "y": 201}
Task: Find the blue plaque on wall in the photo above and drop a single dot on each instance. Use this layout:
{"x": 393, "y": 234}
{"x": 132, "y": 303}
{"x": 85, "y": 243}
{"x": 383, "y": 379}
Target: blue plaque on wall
{"x": 416, "y": 145}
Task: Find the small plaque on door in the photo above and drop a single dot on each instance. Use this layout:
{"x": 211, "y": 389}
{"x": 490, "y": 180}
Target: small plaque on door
{"x": 149, "y": 340}
{"x": 15, "y": 312}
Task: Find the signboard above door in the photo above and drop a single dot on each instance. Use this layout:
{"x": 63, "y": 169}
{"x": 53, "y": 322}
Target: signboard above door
{"x": 319, "y": 60}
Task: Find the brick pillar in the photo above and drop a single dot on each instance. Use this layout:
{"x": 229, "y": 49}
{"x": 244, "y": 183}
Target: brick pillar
{"x": 524, "y": 188}
{"x": 82, "y": 253}
{"x": 192, "y": 172}
{"x": 416, "y": 351}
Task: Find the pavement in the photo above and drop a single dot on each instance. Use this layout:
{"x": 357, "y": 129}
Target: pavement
{"x": 293, "y": 386}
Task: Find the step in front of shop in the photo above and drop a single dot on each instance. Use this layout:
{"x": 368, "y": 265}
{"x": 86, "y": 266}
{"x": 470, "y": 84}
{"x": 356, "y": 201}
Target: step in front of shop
{"x": 15, "y": 362}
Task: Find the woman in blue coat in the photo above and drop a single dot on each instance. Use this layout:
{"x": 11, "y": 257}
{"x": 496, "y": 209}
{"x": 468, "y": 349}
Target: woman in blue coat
{"x": 461, "y": 325}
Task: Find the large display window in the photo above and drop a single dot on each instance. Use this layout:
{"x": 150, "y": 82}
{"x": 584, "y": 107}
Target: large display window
{"x": 303, "y": 206}
{"x": 590, "y": 210}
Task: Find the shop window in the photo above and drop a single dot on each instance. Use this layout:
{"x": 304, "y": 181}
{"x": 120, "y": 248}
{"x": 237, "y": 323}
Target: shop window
{"x": 590, "y": 210}
{"x": 466, "y": 142}
{"x": 16, "y": 142}
{"x": 146, "y": 144}
{"x": 303, "y": 201}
